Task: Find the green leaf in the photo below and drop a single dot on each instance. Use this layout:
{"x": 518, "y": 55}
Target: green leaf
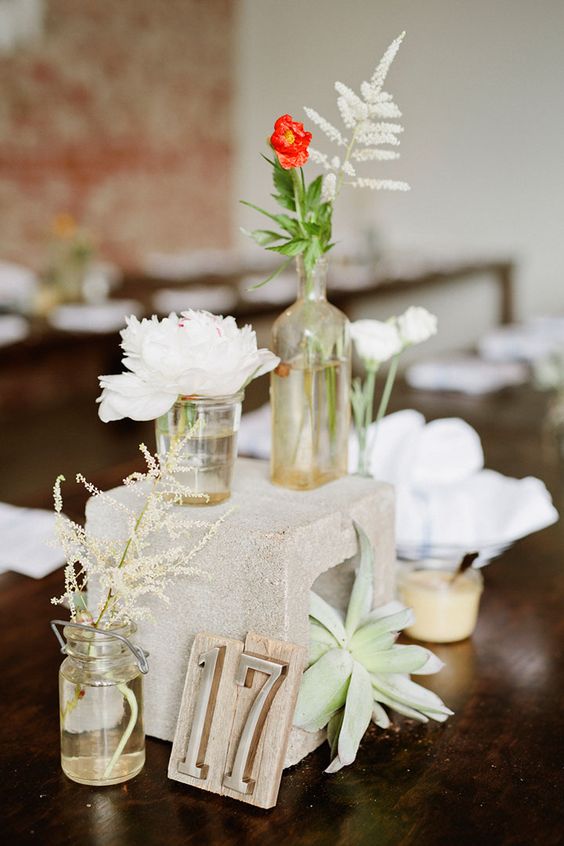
{"x": 320, "y": 641}
{"x": 393, "y": 615}
{"x": 360, "y": 601}
{"x": 356, "y": 717}
{"x": 313, "y": 193}
{"x": 362, "y": 648}
{"x": 323, "y": 690}
{"x": 282, "y": 179}
{"x": 286, "y": 202}
{"x": 263, "y": 237}
{"x": 291, "y": 248}
{"x": 328, "y": 616}
{"x": 272, "y": 276}
{"x": 333, "y": 730}
{"x": 289, "y": 224}
{"x": 398, "y": 659}
{"x": 379, "y": 716}
{"x": 400, "y": 693}
{"x": 311, "y": 255}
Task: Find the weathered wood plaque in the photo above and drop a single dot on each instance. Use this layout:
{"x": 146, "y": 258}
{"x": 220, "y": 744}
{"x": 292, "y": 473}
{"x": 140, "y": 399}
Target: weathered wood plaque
{"x": 236, "y": 715}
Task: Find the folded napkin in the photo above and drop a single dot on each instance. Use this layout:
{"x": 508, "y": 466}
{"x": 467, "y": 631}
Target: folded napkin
{"x": 254, "y": 438}
{"x": 18, "y": 286}
{"x": 105, "y": 317}
{"x": 465, "y": 374}
{"x": 193, "y": 264}
{"x": 530, "y": 341}
{"x": 446, "y": 502}
{"x": 28, "y": 541}
{"x": 219, "y": 299}
{"x": 13, "y": 328}
{"x": 405, "y": 451}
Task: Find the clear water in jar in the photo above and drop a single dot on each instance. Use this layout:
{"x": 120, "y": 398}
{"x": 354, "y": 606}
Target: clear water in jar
{"x": 310, "y": 424}
{"x": 205, "y": 465}
{"x": 102, "y": 734}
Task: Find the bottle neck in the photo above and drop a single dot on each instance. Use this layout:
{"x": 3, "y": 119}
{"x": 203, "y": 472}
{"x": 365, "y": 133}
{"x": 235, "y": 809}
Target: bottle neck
{"x": 312, "y": 286}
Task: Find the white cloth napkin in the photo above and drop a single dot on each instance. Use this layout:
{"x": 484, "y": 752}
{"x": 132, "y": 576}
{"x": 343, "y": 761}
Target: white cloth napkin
{"x": 465, "y": 374}
{"x": 446, "y": 502}
{"x": 13, "y": 328}
{"x": 255, "y": 438}
{"x": 445, "y": 499}
{"x": 18, "y": 286}
{"x": 485, "y": 512}
{"x": 530, "y": 341}
{"x": 219, "y": 299}
{"x": 28, "y": 541}
{"x": 105, "y": 317}
{"x": 193, "y": 264}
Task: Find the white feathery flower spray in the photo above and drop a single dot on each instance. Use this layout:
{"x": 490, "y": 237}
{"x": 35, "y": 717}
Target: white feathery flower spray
{"x": 131, "y": 571}
{"x": 357, "y": 112}
{"x": 305, "y": 228}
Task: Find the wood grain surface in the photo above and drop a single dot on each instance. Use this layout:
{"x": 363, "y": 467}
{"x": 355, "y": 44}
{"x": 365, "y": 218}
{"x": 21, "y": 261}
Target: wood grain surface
{"x": 492, "y": 774}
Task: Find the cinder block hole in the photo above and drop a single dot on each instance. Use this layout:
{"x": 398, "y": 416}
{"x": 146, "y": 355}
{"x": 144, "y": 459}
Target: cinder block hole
{"x": 335, "y": 585}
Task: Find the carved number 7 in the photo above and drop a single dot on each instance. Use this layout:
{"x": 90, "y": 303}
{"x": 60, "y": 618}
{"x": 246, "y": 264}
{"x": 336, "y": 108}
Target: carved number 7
{"x": 239, "y": 778}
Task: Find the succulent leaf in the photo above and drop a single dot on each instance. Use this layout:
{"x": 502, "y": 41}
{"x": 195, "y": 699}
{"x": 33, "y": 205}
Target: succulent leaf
{"x": 398, "y": 659}
{"x": 328, "y": 616}
{"x": 360, "y": 601}
{"x": 357, "y": 714}
{"x": 379, "y": 716}
{"x": 323, "y": 690}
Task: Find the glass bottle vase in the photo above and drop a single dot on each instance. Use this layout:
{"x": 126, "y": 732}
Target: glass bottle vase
{"x": 101, "y": 707}
{"x": 310, "y": 388}
{"x": 204, "y": 430}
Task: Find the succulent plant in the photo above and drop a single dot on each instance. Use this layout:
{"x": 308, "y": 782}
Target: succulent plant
{"x": 356, "y": 667}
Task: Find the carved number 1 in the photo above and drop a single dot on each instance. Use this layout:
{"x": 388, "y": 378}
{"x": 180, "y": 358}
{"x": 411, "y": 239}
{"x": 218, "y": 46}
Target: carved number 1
{"x": 239, "y": 778}
{"x": 194, "y": 762}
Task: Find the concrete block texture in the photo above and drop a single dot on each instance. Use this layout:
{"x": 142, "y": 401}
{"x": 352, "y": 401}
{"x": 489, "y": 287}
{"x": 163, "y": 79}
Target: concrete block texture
{"x": 259, "y": 568}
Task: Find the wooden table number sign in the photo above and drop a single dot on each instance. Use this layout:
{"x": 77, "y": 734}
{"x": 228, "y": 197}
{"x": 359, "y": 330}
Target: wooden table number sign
{"x": 235, "y": 716}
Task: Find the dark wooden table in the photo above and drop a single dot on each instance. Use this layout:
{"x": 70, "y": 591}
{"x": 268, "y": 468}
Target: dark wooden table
{"x": 492, "y": 774}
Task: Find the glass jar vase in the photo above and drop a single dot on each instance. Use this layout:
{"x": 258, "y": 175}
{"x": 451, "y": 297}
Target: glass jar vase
{"x": 445, "y": 604}
{"x": 101, "y": 704}
{"x": 310, "y": 388}
{"x": 204, "y": 433}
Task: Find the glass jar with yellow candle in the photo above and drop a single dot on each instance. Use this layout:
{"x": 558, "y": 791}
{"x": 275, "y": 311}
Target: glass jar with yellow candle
{"x": 445, "y": 603}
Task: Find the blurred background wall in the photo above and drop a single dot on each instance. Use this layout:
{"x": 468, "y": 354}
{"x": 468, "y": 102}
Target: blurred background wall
{"x": 479, "y": 84}
{"x": 120, "y": 114}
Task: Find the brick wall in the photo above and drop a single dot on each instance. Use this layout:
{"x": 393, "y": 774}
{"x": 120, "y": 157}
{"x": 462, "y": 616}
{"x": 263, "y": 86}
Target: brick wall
{"x": 120, "y": 116}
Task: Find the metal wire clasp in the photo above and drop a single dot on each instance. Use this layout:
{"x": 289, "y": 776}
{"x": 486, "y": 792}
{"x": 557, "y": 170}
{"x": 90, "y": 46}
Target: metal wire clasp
{"x": 139, "y": 653}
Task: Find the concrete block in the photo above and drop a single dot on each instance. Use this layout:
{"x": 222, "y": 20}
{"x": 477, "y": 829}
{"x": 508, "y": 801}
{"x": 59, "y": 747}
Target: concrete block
{"x": 267, "y": 555}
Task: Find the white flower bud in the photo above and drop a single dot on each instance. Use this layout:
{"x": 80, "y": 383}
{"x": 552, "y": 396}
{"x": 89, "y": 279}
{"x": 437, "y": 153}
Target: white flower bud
{"x": 375, "y": 341}
{"x": 416, "y": 325}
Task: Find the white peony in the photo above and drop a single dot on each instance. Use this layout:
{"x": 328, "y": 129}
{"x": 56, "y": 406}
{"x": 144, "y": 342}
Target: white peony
{"x": 416, "y": 325}
{"x": 197, "y": 354}
{"x": 375, "y": 341}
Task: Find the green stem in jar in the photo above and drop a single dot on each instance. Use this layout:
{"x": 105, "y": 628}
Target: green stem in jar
{"x": 127, "y": 694}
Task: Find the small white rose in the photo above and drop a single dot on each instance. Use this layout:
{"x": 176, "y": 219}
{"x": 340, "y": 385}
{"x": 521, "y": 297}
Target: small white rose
{"x": 375, "y": 341}
{"x": 416, "y": 325}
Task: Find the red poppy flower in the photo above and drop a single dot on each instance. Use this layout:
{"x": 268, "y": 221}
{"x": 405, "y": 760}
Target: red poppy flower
{"x": 290, "y": 141}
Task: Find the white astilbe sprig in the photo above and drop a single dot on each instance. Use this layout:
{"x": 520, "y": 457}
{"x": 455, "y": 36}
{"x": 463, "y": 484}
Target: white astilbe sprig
{"x": 160, "y": 546}
{"x": 380, "y": 184}
{"x": 366, "y": 116}
{"x": 332, "y": 133}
